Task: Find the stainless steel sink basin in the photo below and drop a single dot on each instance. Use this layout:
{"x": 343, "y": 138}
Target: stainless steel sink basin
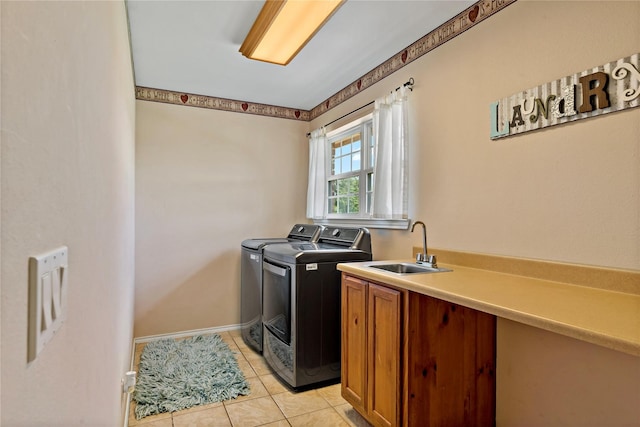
{"x": 409, "y": 268}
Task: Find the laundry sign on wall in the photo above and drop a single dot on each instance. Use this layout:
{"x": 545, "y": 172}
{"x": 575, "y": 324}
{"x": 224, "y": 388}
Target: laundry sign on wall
{"x": 610, "y": 87}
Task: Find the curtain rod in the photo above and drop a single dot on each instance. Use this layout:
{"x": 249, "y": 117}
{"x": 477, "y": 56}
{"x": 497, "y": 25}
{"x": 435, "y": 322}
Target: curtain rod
{"x": 406, "y": 84}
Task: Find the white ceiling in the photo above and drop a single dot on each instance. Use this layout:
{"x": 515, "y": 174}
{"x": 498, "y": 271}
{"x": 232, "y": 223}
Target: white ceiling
{"x": 192, "y": 47}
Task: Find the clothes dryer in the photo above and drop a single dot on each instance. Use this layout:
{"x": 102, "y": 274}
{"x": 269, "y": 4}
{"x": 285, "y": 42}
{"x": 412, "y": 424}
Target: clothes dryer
{"x": 301, "y": 304}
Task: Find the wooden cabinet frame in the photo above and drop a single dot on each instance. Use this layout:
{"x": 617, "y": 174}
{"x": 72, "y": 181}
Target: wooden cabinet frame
{"x": 354, "y": 341}
{"x": 384, "y": 352}
{"x": 412, "y": 360}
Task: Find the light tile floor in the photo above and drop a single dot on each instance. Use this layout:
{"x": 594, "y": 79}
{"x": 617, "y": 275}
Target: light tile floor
{"x": 270, "y": 403}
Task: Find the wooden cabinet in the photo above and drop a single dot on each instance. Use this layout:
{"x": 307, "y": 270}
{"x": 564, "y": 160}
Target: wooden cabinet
{"x": 412, "y": 360}
{"x": 371, "y": 349}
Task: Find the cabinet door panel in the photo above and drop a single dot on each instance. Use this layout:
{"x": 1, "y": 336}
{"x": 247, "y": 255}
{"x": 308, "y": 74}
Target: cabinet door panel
{"x": 354, "y": 342}
{"x": 450, "y": 364}
{"x": 384, "y": 322}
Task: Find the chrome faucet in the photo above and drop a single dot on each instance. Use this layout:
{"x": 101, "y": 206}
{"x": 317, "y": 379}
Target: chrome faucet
{"x": 424, "y": 257}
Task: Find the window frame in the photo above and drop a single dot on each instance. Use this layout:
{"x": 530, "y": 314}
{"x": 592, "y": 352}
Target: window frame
{"x": 363, "y": 126}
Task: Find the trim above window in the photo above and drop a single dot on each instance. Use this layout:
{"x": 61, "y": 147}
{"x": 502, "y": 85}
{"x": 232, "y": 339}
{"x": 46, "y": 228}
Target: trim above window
{"x": 351, "y": 124}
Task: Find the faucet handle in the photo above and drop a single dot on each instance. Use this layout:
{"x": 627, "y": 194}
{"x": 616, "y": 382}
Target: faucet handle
{"x": 429, "y": 260}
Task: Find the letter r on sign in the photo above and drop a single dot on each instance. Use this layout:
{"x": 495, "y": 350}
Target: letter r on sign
{"x": 589, "y": 90}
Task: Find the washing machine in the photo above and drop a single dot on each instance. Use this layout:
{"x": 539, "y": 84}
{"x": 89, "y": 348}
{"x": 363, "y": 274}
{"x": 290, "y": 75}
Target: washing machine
{"x": 251, "y": 279}
{"x": 301, "y": 304}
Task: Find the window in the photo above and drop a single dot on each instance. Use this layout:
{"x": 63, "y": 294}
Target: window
{"x": 350, "y": 175}
{"x": 358, "y": 173}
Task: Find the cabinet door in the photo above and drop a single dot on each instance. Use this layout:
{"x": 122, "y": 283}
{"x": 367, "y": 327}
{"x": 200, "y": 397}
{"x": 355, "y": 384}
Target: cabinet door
{"x": 384, "y": 322}
{"x": 354, "y": 342}
{"x": 451, "y": 356}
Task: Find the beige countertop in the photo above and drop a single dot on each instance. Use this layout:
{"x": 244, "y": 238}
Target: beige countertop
{"x": 599, "y": 316}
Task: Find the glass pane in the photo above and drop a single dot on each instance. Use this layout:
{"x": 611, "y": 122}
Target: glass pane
{"x": 338, "y": 187}
{"x": 336, "y": 167}
{"x": 372, "y": 157}
{"x": 336, "y": 149}
{"x": 333, "y": 188}
{"x": 355, "y": 161}
{"x": 354, "y": 143}
{"x": 346, "y": 164}
{"x": 371, "y": 145}
{"x": 369, "y": 192}
{"x": 354, "y": 204}
{"x": 346, "y": 146}
{"x": 333, "y": 205}
{"x": 345, "y": 195}
{"x": 354, "y": 185}
{"x": 342, "y": 205}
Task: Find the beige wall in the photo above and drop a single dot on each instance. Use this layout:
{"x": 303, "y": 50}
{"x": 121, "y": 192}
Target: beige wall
{"x": 205, "y": 181}
{"x": 546, "y": 380}
{"x": 566, "y": 193}
{"x": 68, "y": 117}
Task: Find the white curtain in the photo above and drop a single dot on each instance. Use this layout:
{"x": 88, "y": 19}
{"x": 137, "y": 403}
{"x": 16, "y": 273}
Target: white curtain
{"x": 390, "y": 129}
{"x": 317, "y": 188}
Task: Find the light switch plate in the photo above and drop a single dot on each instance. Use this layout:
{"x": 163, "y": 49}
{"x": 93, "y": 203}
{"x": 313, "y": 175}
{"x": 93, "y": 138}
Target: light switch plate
{"x": 47, "y": 297}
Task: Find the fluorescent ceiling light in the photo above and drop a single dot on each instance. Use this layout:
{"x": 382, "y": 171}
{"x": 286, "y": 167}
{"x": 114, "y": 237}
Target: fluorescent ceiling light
{"x": 283, "y": 27}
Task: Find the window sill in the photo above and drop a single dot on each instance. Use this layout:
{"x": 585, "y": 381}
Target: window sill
{"x": 393, "y": 224}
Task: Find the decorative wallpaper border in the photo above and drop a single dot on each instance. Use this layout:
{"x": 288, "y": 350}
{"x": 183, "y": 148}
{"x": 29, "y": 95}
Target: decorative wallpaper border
{"x": 202, "y": 101}
{"x": 442, "y": 34}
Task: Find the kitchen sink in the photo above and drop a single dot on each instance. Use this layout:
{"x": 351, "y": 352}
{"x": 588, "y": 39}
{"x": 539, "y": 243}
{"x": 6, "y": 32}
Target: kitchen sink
{"x": 409, "y": 268}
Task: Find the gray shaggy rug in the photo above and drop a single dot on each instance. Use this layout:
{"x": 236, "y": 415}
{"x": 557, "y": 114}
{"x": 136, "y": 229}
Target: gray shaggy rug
{"x": 179, "y": 374}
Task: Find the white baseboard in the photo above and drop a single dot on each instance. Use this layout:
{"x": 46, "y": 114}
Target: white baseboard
{"x": 183, "y": 334}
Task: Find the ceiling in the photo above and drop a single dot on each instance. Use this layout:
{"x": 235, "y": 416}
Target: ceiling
{"x": 192, "y": 47}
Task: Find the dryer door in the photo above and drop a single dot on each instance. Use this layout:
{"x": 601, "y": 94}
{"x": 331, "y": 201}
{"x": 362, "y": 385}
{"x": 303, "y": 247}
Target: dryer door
{"x": 276, "y": 305}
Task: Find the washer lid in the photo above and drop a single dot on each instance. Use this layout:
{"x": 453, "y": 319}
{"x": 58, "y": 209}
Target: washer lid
{"x": 257, "y": 244}
{"x": 299, "y": 232}
{"x": 305, "y": 252}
